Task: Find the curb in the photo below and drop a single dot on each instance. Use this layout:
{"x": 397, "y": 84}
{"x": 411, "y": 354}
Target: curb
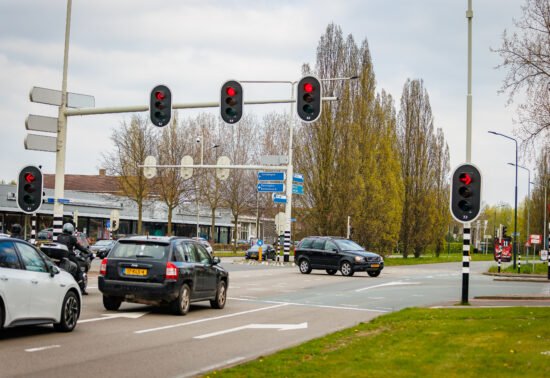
{"x": 533, "y": 297}
{"x": 518, "y": 277}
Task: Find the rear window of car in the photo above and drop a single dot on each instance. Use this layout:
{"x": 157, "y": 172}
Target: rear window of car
{"x": 140, "y": 250}
{"x": 306, "y": 243}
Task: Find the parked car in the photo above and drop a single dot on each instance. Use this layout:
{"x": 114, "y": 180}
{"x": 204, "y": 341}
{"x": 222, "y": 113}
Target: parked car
{"x": 102, "y": 247}
{"x": 33, "y": 290}
{"x": 268, "y": 252}
{"x": 335, "y": 253}
{"x": 45, "y": 234}
{"x": 171, "y": 271}
{"x": 205, "y": 244}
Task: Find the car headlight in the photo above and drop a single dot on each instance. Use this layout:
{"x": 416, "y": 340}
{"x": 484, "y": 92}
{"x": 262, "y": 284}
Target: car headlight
{"x": 359, "y": 259}
{"x": 381, "y": 259}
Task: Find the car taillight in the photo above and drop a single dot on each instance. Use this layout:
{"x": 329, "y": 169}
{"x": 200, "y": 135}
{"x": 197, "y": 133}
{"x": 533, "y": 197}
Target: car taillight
{"x": 171, "y": 271}
{"x": 103, "y": 267}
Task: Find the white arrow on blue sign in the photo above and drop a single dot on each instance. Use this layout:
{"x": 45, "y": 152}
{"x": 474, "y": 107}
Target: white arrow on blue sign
{"x": 271, "y": 188}
{"x": 298, "y": 178}
{"x": 297, "y": 189}
{"x": 279, "y": 198}
{"x": 271, "y": 176}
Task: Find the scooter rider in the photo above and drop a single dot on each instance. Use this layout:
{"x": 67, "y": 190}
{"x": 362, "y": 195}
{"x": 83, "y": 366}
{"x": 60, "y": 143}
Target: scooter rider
{"x": 71, "y": 242}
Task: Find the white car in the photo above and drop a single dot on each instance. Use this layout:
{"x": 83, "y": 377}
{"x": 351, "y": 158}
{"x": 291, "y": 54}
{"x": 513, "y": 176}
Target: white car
{"x": 35, "y": 291}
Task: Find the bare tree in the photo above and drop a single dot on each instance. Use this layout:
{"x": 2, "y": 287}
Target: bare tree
{"x": 526, "y": 57}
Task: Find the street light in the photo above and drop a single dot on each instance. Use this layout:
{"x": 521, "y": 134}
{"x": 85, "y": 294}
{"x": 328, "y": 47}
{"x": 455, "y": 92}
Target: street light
{"x": 515, "y": 195}
{"x": 528, "y": 201}
{"x": 197, "y": 188}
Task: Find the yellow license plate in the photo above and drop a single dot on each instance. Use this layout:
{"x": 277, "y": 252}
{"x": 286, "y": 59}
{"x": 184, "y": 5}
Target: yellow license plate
{"x": 374, "y": 265}
{"x": 135, "y": 272}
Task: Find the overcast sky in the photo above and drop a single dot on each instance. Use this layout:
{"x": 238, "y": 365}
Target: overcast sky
{"x": 120, "y": 49}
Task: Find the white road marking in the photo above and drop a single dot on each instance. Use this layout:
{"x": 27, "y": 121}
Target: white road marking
{"x": 395, "y": 283}
{"x": 128, "y": 315}
{"x": 31, "y": 350}
{"x": 212, "y": 367}
{"x": 208, "y": 319}
{"x": 280, "y": 327}
{"x": 311, "y": 305}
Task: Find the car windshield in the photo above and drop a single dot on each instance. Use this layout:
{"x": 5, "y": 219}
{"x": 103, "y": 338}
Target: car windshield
{"x": 348, "y": 245}
{"x": 134, "y": 250}
{"x": 103, "y": 242}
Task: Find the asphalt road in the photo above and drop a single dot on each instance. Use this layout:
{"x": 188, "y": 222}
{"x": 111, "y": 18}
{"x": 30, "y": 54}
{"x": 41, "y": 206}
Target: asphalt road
{"x": 269, "y": 308}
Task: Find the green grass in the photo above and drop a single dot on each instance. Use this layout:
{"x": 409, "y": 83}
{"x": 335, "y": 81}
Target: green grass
{"x": 229, "y": 253}
{"x": 526, "y": 268}
{"x": 462, "y": 342}
{"x": 455, "y": 257}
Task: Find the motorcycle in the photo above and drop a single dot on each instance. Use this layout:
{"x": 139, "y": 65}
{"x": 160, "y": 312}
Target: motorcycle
{"x": 59, "y": 254}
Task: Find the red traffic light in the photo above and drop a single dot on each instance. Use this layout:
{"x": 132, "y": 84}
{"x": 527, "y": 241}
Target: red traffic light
{"x": 465, "y": 178}
{"x": 29, "y": 177}
{"x": 231, "y": 91}
{"x": 159, "y": 95}
{"x": 308, "y": 87}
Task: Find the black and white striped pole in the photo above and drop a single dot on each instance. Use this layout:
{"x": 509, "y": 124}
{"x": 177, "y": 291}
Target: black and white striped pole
{"x": 465, "y": 263}
{"x": 33, "y": 229}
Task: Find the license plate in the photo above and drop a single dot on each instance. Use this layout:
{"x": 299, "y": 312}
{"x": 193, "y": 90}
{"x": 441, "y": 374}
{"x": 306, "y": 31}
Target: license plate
{"x": 374, "y": 265}
{"x": 135, "y": 272}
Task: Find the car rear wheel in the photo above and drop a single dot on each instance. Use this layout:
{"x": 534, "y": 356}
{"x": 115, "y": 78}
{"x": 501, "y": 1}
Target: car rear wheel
{"x": 332, "y": 271}
{"x": 346, "y": 269}
{"x": 221, "y": 296}
{"x": 305, "y": 266}
{"x": 373, "y": 273}
{"x": 70, "y": 311}
{"x": 183, "y": 302}
{"x": 111, "y": 303}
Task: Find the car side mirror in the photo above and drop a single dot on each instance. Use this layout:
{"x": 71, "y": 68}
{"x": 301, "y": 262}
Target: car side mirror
{"x": 215, "y": 260}
{"x": 53, "y": 270}
{"x": 335, "y": 250}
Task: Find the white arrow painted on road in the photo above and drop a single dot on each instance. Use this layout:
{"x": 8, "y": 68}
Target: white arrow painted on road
{"x": 280, "y": 327}
{"x": 395, "y": 283}
{"x": 128, "y": 315}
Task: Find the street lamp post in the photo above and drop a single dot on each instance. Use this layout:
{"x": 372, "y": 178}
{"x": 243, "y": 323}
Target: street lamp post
{"x": 528, "y": 202}
{"x": 515, "y": 195}
{"x": 200, "y": 140}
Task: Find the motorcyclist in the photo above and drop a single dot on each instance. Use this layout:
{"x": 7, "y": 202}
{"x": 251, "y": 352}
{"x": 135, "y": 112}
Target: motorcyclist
{"x": 71, "y": 242}
{"x": 16, "y": 231}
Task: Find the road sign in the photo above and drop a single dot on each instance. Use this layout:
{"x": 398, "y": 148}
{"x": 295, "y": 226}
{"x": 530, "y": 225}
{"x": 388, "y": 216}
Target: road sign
{"x": 41, "y": 123}
{"x": 271, "y": 176}
{"x": 544, "y": 255}
{"x": 298, "y": 178}
{"x": 271, "y": 188}
{"x": 297, "y": 189}
{"x": 186, "y": 173}
{"x": 108, "y": 224}
{"x": 534, "y": 239}
{"x": 223, "y": 173}
{"x": 115, "y": 220}
{"x": 260, "y": 242}
{"x": 37, "y": 142}
{"x": 53, "y": 97}
{"x": 279, "y": 198}
{"x": 274, "y": 159}
{"x": 150, "y": 172}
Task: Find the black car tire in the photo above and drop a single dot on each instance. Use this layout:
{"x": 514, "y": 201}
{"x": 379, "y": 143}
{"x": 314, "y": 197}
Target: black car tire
{"x": 183, "y": 302}
{"x": 111, "y": 303}
{"x": 70, "y": 311}
{"x": 221, "y": 296}
{"x": 346, "y": 268}
{"x": 305, "y": 266}
{"x": 332, "y": 271}
{"x": 1, "y": 315}
{"x": 373, "y": 273}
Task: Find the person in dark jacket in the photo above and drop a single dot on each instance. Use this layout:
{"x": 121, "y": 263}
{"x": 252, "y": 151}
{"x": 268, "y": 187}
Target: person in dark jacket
{"x": 17, "y": 231}
{"x": 71, "y": 242}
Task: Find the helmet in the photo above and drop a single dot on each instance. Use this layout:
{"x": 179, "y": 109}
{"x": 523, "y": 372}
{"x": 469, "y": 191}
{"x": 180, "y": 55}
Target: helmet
{"x": 68, "y": 228}
{"x": 16, "y": 229}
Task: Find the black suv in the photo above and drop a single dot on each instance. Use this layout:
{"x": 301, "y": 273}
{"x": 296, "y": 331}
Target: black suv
{"x": 333, "y": 254}
{"x": 162, "y": 271}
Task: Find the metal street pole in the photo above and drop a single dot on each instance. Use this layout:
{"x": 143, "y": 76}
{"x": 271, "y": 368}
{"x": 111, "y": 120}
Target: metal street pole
{"x": 528, "y": 202}
{"x": 59, "y": 191}
{"x": 515, "y": 248}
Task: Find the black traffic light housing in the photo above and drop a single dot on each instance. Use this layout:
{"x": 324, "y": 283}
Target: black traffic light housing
{"x": 504, "y": 232}
{"x": 466, "y": 193}
{"x": 160, "y": 106}
{"x": 309, "y": 99}
{"x": 231, "y": 101}
{"x": 30, "y": 187}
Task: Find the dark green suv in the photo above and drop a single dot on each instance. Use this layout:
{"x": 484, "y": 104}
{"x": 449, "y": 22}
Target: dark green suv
{"x": 159, "y": 271}
{"x": 335, "y": 253}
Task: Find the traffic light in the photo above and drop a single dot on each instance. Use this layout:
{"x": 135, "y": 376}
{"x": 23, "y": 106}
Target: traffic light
{"x": 160, "y": 106}
{"x": 309, "y": 99}
{"x": 466, "y": 193}
{"x": 30, "y": 189}
{"x": 504, "y": 232}
{"x": 231, "y": 102}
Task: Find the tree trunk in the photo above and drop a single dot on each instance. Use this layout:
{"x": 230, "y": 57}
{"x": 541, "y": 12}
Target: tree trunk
{"x": 170, "y": 212}
{"x": 140, "y": 215}
{"x": 213, "y": 226}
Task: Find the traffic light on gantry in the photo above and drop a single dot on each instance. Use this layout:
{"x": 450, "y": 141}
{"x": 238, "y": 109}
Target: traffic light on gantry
{"x": 309, "y": 99}
{"x": 466, "y": 193}
{"x": 30, "y": 189}
{"x": 231, "y": 102}
{"x": 160, "y": 106}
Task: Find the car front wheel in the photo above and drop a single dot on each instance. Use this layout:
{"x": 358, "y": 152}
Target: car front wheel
{"x": 305, "y": 266}
{"x": 111, "y": 303}
{"x": 69, "y": 313}
{"x": 373, "y": 273}
{"x": 346, "y": 269}
{"x": 221, "y": 296}
{"x": 182, "y": 304}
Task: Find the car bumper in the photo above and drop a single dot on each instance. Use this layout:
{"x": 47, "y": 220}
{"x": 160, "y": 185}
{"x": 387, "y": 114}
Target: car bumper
{"x": 141, "y": 292}
{"x": 368, "y": 267}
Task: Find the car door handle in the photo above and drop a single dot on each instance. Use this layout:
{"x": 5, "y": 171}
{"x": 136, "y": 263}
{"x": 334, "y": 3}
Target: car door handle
{"x": 34, "y": 282}
{"x": 3, "y": 278}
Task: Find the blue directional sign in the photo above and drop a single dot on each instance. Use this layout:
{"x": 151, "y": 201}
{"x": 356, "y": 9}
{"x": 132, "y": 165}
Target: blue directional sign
{"x": 271, "y": 188}
{"x": 279, "y": 198}
{"x": 297, "y": 189}
{"x": 298, "y": 178}
{"x": 260, "y": 242}
{"x": 271, "y": 176}
{"x": 108, "y": 224}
